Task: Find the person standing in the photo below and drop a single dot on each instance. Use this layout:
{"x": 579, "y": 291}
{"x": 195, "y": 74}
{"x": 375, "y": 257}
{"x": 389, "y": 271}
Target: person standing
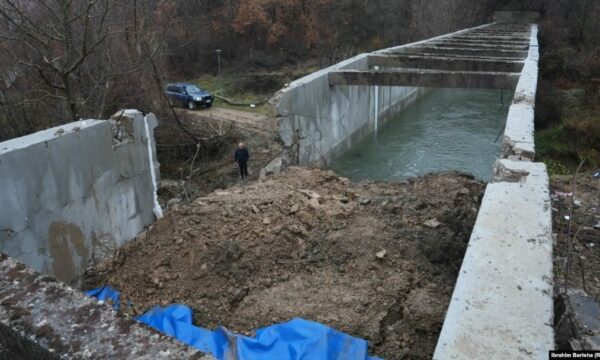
{"x": 241, "y": 157}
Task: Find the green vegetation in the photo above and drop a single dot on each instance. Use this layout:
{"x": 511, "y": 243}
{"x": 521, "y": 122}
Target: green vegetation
{"x": 251, "y": 88}
{"x": 574, "y": 138}
{"x": 232, "y": 90}
{"x": 568, "y": 97}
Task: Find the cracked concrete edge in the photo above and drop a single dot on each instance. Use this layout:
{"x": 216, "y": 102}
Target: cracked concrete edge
{"x": 503, "y": 173}
{"x": 518, "y": 141}
{"x": 40, "y": 315}
{"x": 46, "y": 135}
{"x": 502, "y": 304}
{"x": 47, "y": 183}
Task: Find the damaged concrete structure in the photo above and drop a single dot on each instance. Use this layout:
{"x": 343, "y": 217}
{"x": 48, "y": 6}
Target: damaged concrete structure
{"x": 90, "y": 176}
{"x": 41, "y": 318}
{"x": 502, "y": 305}
{"x": 77, "y": 192}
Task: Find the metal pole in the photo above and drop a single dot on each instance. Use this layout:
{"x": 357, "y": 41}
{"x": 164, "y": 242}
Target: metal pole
{"x": 220, "y": 77}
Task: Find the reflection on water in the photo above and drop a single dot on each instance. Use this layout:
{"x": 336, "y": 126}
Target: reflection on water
{"x": 447, "y": 129}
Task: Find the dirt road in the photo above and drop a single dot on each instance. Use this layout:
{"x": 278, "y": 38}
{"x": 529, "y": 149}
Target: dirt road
{"x": 256, "y": 130}
{"x": 377, "y": 260}
{"x": 254, "y": 121}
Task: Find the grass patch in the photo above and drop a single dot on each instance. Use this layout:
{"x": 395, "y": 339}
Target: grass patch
{"x": 230, "y": 89}
{"x": 575, "y": 139}
{"x": 248, "y": 88}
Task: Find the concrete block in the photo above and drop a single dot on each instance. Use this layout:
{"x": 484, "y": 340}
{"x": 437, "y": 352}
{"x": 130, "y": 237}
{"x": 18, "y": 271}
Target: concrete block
{"x": 518, "y": 140}
{"x": 41, "y": 318}
{"x": 502, "y": 304}
{"x": 488, "y": 38}
{"x": 273, "y": 168}
{"x": 64, "y": 188}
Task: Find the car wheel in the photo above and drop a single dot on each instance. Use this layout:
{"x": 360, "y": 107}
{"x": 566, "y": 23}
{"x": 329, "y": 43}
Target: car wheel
{"x": 191, "y": 105}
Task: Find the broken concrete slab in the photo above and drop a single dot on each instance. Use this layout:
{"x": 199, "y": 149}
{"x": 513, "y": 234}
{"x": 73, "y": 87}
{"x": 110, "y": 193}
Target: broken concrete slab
{"x": 42, "y": 318}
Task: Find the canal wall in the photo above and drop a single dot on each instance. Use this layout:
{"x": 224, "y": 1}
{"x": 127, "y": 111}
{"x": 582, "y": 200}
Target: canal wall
{"x": 77, "y": 192}
{"x": 318, "y": 121}
{"x": 502, "y": 305}
{"x": 518, "y": 139}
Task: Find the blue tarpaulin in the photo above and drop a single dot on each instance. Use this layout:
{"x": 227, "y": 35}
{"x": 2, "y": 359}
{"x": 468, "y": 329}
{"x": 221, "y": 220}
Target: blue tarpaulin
{"x": 293, "y": 340}
{"x": 106, "y": 293}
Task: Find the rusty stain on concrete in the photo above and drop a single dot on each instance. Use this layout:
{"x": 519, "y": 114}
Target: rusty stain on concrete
{"x": 64, "y": 239}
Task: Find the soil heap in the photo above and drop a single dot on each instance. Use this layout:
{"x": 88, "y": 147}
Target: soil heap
{"x": 376, "y": 260}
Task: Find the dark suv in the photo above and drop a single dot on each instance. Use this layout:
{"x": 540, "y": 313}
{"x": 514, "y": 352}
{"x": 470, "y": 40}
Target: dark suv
{"x": 188, "y": 95}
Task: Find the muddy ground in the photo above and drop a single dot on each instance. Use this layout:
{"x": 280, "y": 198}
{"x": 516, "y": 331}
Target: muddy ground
{"x": 576, "y": 233}
{"x": 584, "y": 239}
{"x": 376, "y": 260}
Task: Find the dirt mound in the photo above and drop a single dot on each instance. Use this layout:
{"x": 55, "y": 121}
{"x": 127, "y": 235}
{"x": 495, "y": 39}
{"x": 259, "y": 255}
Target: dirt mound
{"x": 375, "y": 260}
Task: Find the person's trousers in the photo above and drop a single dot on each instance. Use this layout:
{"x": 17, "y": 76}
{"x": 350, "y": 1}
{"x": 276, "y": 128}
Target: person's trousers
{"x": 243, "y": 169}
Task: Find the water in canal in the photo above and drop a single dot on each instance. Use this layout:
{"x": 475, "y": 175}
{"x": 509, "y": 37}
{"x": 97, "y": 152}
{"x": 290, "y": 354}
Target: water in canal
{"x": 447, "y": 129}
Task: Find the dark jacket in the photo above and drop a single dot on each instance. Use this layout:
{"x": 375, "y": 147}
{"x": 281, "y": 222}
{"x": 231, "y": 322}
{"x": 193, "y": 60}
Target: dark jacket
{"x": 242, "y": 155}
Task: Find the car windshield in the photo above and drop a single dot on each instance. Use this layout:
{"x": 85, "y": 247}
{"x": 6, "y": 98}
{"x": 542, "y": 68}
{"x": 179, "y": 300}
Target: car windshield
{"x": 191, "y": 89}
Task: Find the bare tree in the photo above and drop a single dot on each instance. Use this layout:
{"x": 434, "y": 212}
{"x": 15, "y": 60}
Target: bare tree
{"x": 62, "y": 42}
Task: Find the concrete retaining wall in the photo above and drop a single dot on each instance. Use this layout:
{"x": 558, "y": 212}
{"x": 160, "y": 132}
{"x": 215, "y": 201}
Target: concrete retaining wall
{"x": 76, "y": 192}
{"x": 502, "y": 305}
{"x": 318, "y": 121}
{"x": 518, "y": 141}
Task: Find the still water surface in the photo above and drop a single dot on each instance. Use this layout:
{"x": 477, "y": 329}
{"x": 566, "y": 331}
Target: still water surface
{"x": 447, "y": 129}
